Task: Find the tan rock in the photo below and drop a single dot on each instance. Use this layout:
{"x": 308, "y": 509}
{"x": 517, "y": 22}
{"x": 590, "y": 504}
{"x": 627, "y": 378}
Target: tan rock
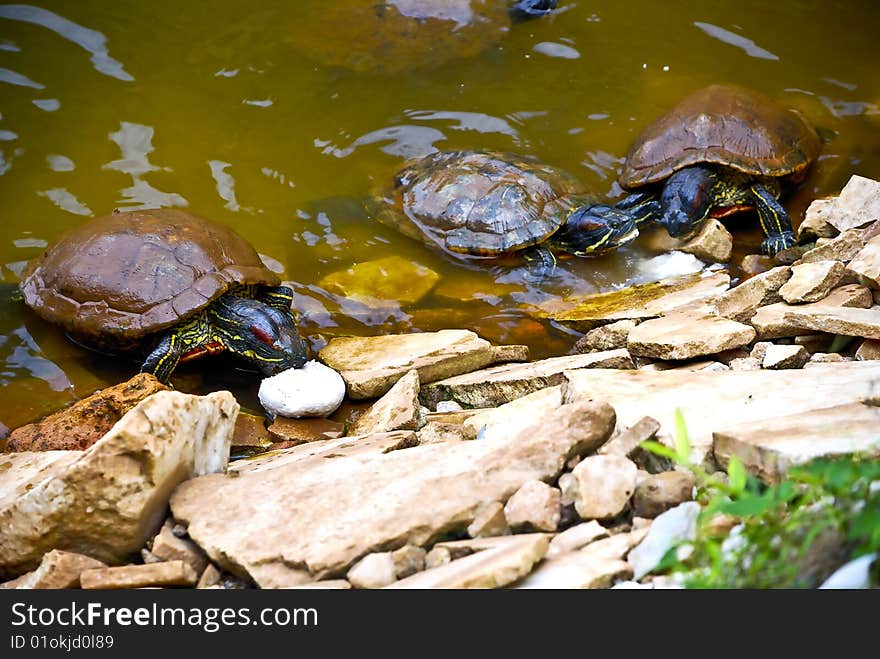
{"x": 741, "y": 302}
{"x": 372, "y": 571}
{"x": 576, "y": 537}
{"x": 371, "y": 365}
{"x": 489, "y": 521}
{"x": 398, "y": 409}
{"x": 745, "y": 364}
{"x": 496, "y": 385}
{"x": 507, "y": 419}
{"x": 657, "y": 493}
{"x": 627, "y": 442}
{"x": 605, "y": 337}
{"x": 684, "y": 335}
{"x": 164, "y": 574}
{"x": 535, "y": 506}
{"x": 713, "y": 401}
{"x": 391, "y": 278}
{"x": 811, "y": 282}
{"x": 640, "y": 302}
{"x": 82, "y": 424}
{"x": 712, "y": 244}
{"x": 436, "y": 557}
{"x": 849, "y": 321}
{"x": 769, "y": 321}
{"x": 866, "y": 264}
{"x": 210, "y": 577}
{"x": 301, "y": 431}
{"x": 760, "y": 349}
{"x": 780, "y": 356}
{"x": 511, "y": 353}
{"x": 107, "y": 500}
{"x": 250, "y": 434}
{"x": 408, "y": 560}
{"x": 868, "y": 349}
{"x": 58, "y": 570}
{"x": 603, "y": 486}
{"x": 826, "y": 358}
{"x": 844, "y": 247}
{"x": 338, "y": 508}
{"x": 857, "y": 203}
{"x": 168, "y": 547}
{"x": 598, "y": 565}
{"x": 815, "y": 223}
{"x": 770, "y": 447}
{"x": 435, "y": 432}
{"x": 496, "y": 567}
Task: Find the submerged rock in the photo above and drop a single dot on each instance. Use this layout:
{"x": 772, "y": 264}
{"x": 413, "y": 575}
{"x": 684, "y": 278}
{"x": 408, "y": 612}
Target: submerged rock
{"x": 639, "y": 302}
{"x": 393, "y": 278}
{"x": 106, "y": 501}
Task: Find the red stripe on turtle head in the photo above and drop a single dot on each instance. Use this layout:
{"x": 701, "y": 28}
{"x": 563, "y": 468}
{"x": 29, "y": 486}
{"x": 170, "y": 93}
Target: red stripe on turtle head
{"x": 264, "y": 336}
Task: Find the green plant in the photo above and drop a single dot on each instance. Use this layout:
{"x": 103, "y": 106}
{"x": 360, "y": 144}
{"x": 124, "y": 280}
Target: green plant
{"x": 789, "y": 535}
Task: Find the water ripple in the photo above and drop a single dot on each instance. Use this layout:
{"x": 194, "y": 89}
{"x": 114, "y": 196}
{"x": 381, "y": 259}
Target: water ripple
{"x": 737, "y": 40}
{"x": 89, "y": 40}
{"x": 13, "y": 78}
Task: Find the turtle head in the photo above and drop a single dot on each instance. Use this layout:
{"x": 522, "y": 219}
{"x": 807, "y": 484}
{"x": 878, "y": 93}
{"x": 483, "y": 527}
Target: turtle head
{"x": 596, "y": 229}
{"x": 263, "y": 334}
{"x": 686, "y": 200}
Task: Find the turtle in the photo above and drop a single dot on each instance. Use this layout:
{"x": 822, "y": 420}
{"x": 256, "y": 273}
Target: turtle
{"x": 722, "y": 149}
{"x": 167, "y": 285}
{"x": 398, "y": 35}
{"x": 481, "y": 203}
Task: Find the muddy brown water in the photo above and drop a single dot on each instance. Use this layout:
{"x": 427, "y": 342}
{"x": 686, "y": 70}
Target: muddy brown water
{"x": 263, "y": 118}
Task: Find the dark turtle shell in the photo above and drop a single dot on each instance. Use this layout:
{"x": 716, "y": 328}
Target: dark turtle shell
{"x": 118, "y": 278}
{"x": 481, "y": 203}
{"x": 724, "y": 125}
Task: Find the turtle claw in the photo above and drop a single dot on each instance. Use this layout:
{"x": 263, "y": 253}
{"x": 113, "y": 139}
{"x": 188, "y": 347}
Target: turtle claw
{"x": 777, "y": 243}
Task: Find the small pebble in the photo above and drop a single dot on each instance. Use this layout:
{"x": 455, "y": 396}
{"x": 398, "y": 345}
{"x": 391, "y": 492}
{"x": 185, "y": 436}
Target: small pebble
{"x": 313, "y": 390}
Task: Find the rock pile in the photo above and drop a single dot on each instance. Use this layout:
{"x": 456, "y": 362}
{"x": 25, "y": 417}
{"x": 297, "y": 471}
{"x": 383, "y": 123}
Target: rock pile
{"x": 470, "y": 466}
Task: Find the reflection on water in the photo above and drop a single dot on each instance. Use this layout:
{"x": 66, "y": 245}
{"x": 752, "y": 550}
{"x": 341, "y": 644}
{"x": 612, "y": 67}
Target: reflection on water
{"x": 90, "y": 40}
{"x": 281, "y": 120}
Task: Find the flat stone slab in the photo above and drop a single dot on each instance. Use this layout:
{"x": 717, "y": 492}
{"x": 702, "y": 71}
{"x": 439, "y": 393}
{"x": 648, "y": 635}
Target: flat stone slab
{"x": 769, "y": 321}
{"x": 848, "y": 321}
{"x": 507, "y": 560}
{"x": 684, "y": 335}
{"x": 713, "y": 401}
{"x": 165, "y": 573}
{"x": 510, "y": 417}
{"x": 501, "y": 384}
{"x": 371, "y": 365}
{"x": 641, "y": 301}
{"x": 271, "y": 520}
{"x": 597, "y": 565}
{"x": 397, "y": 409}
{"x": 769, "y": 447}
{"x": 857, "y": 203}
{"x": 740, "y": 302}
{"x": 810, "y": 282}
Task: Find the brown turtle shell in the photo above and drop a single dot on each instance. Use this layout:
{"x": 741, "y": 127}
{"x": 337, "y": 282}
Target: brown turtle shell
{"x": 118, "y": 278}
{"x": 725, "y": 125}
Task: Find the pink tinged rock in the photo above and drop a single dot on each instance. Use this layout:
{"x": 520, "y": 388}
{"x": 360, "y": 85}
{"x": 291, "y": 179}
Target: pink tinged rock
{"x": 811, "y": 282}
{"x": 398, "y": 409}
{"x": 603, "y": 486}
{"x": 534, "y": 506}
{"x": 866, "y": 264}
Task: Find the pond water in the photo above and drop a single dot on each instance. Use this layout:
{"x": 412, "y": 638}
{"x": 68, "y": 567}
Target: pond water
{"x": 278, "y": 118}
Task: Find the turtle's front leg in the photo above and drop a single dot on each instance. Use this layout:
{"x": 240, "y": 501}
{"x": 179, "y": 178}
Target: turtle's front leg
{"x": 163, "y": 360}
{"x": 775, "y": 221}
{"x": 541, "y": 262}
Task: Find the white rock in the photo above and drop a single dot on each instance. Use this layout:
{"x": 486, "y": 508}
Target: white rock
{"x": 313, "y": 390}
{"x": 670, "y": 528}
{"x": 855, "y": 574}
{"x": 448, "y": 406}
